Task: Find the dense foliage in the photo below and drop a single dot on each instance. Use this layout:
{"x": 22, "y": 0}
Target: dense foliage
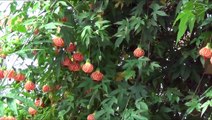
{"x": 106, "y": 59}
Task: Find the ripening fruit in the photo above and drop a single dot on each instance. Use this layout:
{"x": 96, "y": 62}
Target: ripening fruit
{"x": 138, "y": 52}
{"x": 3, "y": 118}
{"x": 19, "y": 77}
{"x": 32, "y": 111}
{"x": 64, "y": 19}
{"x": 74, "y": 66}
{"x": 57, "y": 87}
{"x": 36, "y": 31}
{"x": 206, "y": 52}
{"x": 71, "y": 47}
{"x": 1, "y": 74}
{"x": 10, "y": 118}
{"x": 58, "y": 41}
{"x": 66, "y": 61}
{"x": 29, "y": 85}
{"x": 56, "y": 50}
{"x": 78, "y": 57}
{"x": 88, "y": 91}
{"x": 9, "y": 74}
{"x": 91, "y": 117}
{"x": 39, "y": 103}
{"x": 97, "y": 75}
{"x": 46, "y": 88}
{"x": 87, "y": 67}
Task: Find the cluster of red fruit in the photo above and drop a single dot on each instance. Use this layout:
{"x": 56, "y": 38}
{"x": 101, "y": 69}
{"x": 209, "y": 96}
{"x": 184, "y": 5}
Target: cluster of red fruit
{"x": 73, "y": 64}
{"x": 206, "y": 52}
{"x": 38, "y": 102}
{"x": 11, "y": 74}
{"x": 7, "y": 118}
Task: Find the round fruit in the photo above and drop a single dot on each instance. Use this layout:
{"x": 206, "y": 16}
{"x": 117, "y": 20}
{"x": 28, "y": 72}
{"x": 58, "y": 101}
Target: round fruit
{"x": 71, "y": 47}
{"x": 88, "y": 91}
{"x": 91, "y": 117}
{"x": 57, "y": 87}
{"x": 36, "y": 31}
{"x": 58, "y": 41}
{"x": 39, "y": 103}
{"x": 1, "y": 74}
{"x": 74, "y": 66}
{"x": 66, "y": 61}
{"x": 46, "y": 88}
{"x": 32, "y": 111}
{"x": 29, "y": 85}
{"x": 19, "y": 77}
{"x": 138, "y": 52}
{"x": 97, "y": 76}
{"x": 56, "y": 50}
{"x": 206, "y": 52}
{"x": 3, "y": 56}
{"x": 10, "y": 118}
{"x": 64, "y": 19}
{"x": 9, "y": 74}
{"x": 78, "y": 57}
{"x": 87, "y": 67}
{"x": 3, "y": 118}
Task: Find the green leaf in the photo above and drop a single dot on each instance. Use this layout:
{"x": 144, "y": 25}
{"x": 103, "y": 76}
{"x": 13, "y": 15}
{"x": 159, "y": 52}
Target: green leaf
{"x": 161, "y": 13}
{"x": 12, "y": 105}
{"x": 140, "y": 105}
{"x": 128, "y": 74}
{"x": 191, "y": 23}
{"x": 118, "y": 41}
{"x": 182, "y": 27}
{"x": 165, "y": 109}
{"x": 1, "y": 108}
{"x": 204, "y": 106}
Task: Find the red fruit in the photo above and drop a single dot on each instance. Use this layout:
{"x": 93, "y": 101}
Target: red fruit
{"x": 88, "y": 91}
{"x": 46, "y": 88}
{"x": 66, "y": 61}
{"x": 34, "y": 52}
{"x": 71, "y": 47}
{"x": 3, "y": 56}
{"x": 1, "y": 74}
{"x": 29, "y": 85}
{"x": 57, "y": 50}
{"x": 10, "y": 118}
{"x": 36, "y": 31}
{"x": 57, "y": 87}
{"x": 97, "y": 76}
{"x": 87, "y": 67}
{"x": 64, "y": 19}
{"x": 74, "y": 66}
{"x": 39, "y": 103}
{"x": 206, "y": 52}
{"x": 78, "y": 57}
{"x": 138, "y": 52}
{"x": 9, "y": 74}
{"x": 58, "y": 41}
{"x": 32, "y": 111}
{"x": 91, "y": 117}
{"x": 19, "y": 77}
{"x": 3, "y": 118}
{"x": 91, "y": 6}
